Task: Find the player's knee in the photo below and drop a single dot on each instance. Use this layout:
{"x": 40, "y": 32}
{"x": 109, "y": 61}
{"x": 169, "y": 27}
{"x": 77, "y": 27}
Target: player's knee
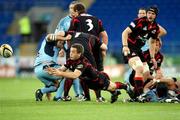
{"x": 139, "y": 69}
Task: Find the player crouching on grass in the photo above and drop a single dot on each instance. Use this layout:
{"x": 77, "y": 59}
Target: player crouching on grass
{"x": 47, "y": 56}
{"x": 78, "y": 66}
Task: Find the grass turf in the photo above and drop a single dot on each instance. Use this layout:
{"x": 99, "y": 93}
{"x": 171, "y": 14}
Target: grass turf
{"x": 17, "y": 103}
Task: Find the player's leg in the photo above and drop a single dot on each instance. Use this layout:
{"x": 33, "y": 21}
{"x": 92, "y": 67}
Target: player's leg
{"x": 146, "y": 72}
{"x": 86, "y": 90}
{"x": 60, "y": 90}
{"x": 48, "y": 80}
{"x": 76, "y": 87}
{"x": 137, "y": 65}
{"x": 67, "y": 85}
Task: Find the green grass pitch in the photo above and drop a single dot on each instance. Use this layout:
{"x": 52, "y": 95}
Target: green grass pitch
{"x": 17, "y": 102}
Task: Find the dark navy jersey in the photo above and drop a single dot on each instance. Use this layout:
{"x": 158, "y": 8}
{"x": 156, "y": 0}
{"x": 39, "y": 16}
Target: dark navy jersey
{"x": 158, "y": 57}
{"x": 84, "y": 66}
{"x": 142, "y": 30}
{"x": 87, "y": 23}
{"x": 88, "y": 41}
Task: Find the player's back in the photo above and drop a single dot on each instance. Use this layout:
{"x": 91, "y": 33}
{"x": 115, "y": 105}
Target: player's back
{"x": 89, "y": 42}
{"x": 88, "y": 24}
{"x": 48, "y": 52}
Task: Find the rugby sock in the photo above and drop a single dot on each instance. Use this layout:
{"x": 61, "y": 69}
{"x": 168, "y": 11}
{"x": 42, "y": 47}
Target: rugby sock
{"x": 60, "y": 90}
{"x": 48, "y": 89}
{"x": 85, "y": 89}
{"x": 139, "y": 84}
{"x": 67, "y": 86}
{"x": 120, "y": 85}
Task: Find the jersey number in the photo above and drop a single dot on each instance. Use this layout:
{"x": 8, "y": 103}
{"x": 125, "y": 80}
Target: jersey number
{"x": 89, "y": 23}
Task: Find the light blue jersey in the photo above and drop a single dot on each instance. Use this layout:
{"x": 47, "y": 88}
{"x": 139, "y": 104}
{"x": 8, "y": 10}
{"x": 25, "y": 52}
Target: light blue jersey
{"x": 63, "y": 24}
{"x": 47, "y": 53}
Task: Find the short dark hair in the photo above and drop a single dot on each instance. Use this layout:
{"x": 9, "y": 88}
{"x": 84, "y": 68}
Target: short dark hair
{"x": 142, "y": 8}
{"x": 80, "y": 8}
{"x": 153, "y": 9}
{"x": 79, "y": 47}
{"x": 162, "y": 90}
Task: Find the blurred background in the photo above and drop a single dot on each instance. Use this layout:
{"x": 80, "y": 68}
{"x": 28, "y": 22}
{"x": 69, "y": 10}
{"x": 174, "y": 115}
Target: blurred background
{"x": 24, "y": 24}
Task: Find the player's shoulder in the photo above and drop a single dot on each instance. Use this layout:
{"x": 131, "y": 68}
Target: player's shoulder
{"x": 64, "y": 19}
{"x": 87, "y": 16}
{"x": 84, "y": 60}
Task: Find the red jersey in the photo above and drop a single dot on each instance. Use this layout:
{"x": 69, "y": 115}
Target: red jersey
{"x": 142, "y": 30}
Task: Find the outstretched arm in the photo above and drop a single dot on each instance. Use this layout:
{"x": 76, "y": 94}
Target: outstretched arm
{"x": 66, "y": 74}
{"x": 60, "y": 36}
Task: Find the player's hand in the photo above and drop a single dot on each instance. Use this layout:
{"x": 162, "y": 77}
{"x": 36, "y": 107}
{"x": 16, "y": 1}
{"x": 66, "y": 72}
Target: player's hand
{"x": 154, "y": 81}
{"x": 126, "y": 50}
{"x": 104, "y": 47}
{"x": 61, "y": 53}
{"x": 51, "y": 37}
{"x": 53, "y": 71}
{"x": 154, "y": 63}
{"x": 68, "y": 37}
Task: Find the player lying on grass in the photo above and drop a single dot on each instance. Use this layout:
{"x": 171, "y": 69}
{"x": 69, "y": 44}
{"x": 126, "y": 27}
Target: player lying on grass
{"x": 163, "y": 90}
{"x": 78, "y": 66}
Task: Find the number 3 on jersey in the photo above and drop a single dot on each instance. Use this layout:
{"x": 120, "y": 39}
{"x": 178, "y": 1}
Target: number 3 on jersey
{"x": 89, "y": 23}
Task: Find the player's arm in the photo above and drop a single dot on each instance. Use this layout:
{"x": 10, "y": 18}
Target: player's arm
{"x": 62, "y": 68}
{"x": 66, "y": 74}
{"x": 104, "y": 36}
{"x": 159, "y": 74}
{"x": 152, "y": 46}
{"x": 60, "y": 36}
{"x": 125, "y": 35}
{"x": 162, "y": 31}
{"x": 149, "y": 86}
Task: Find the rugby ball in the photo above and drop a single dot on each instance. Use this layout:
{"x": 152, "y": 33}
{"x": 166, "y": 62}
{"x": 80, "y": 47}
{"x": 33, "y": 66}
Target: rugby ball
{"x": 6, "y": 50}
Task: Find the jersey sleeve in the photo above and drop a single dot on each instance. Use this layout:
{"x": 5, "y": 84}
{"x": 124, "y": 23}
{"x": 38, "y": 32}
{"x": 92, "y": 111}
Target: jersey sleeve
{"x": 100, "y": 24}
{"x": 60, "y": 26}
{"x": 80, "y": 67}
{"x": 74, "y": 24}
{"x": 133, "y": 25}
